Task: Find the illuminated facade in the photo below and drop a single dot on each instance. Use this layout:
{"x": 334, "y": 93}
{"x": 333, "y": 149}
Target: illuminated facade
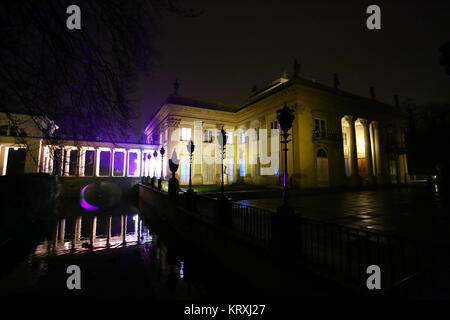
{"x": 24, "y": 149}
{"x": 338, "y": 139}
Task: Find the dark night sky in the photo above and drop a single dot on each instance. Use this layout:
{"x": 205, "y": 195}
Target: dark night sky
{"x": 234, "y": 45}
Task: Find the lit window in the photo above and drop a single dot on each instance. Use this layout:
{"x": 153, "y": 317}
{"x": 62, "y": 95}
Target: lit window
{"x": 119, "y": 163}
{"x": 273, "y": 128}
{"x": 133, "y": 164}
{"x": 185, "y": 134}
{"x": 319, "y": 127}
{"x": 207, "y": 136}
{"x": 229, "y": 137}
{"x": 242, "y": 137}
{"x": 242, "y": 167}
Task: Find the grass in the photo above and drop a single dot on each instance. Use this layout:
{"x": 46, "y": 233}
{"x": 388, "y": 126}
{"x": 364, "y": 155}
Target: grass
{"x": 232, "y": 187}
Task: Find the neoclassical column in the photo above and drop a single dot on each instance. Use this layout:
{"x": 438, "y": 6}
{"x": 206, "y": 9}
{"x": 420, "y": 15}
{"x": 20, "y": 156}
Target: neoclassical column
{"x": 67, "y": 162}
{"x": 93, "y": 230}
{"x": 81, "y": 155}
{"x": 96, "y": 161}
{"x": 367, "y": 146}
{"x": 376, "y": 141}
{"x": 61, "y": 160}
{"x": 197, "y": 177}
{"x": 111, "y": 163}
{"x": 248, "y": 172}
{"x": 172, "y": 125}
{"x": 352, "y": 146}
{"x": 62, "y": 229}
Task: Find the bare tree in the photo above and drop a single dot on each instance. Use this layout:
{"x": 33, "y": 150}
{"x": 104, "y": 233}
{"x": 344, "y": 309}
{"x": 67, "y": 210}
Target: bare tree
{"x": 82, "y": 79}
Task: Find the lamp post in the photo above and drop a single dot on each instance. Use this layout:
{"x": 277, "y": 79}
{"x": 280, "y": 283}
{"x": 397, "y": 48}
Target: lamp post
{"x": 190, "y": 148}
{"x": 161, "y": 151}
{"x": 146, "y": 169}
{"x": 222, "y": 137}
{"x": 155, "y": 155}
{"x": 285, "y": 118}
{"x": 149, "y": 157}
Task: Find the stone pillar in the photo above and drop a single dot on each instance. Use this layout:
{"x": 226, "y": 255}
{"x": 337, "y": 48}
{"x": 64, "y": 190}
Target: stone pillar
{"x": 80, "y": 162}
{"x": 67, "y": 162}
{"x": 3, "y": 160}
{"x": 96, "y": 161}
{"x": 218, "y": 156}
{"x": 197, "y": 177}
{"x": 62, "y": 158}
{"x": 93, "y": 230}
{"x": 248, "y": 173}
{"x": 62, "y": 229}
{"x": 172, "y": 125}
{"x": 376, "y": 141}
{"x": 353, "y": 151}
{"x": 111, "y": 156}
{"x": 368, "y": 150}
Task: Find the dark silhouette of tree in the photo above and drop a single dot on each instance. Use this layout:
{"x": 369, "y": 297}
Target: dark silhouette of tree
{"x": 82, "y": 79}
{"x": 428, "y": 136}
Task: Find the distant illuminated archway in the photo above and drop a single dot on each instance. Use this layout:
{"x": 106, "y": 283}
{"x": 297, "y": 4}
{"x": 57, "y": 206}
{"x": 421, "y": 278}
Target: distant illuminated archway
{"x": 322, "y": 168}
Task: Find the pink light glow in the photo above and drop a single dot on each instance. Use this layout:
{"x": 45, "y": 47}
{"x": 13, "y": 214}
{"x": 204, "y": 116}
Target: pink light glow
{"x": 84, "y": 204}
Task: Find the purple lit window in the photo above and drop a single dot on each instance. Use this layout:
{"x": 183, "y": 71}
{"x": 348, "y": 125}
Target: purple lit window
{"x": 132, "y": 164}
{"x": 105, "y": 157}
{"x": 119, "y": 162}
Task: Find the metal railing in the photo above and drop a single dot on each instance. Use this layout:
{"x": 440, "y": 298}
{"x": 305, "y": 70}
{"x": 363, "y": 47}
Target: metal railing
{"x": 253, "y": 222}
{"x": 349, "y": 251}
{"x": 327, "y": 135}
{"x": 343, "y": 251}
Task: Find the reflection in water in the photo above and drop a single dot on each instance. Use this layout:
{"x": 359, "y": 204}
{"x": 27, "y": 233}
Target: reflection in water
{"x": 106, "y": 245}
{"x": 93, "y": 233}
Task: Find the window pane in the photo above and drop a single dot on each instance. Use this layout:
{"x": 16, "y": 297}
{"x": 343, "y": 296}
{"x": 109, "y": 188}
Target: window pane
{"x": 242, "y": 167}
{"x": 119, "y": 161}
{"x": 89, "y": 163}
{"x": 105, "y": 157}
{"x": 132, "y": 164}
{"x": 73, "y": 162}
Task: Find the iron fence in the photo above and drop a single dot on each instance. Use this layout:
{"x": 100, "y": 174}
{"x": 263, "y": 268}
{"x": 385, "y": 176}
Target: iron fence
{"x": 345, "y": 252}
{"x": 252, "y": 221}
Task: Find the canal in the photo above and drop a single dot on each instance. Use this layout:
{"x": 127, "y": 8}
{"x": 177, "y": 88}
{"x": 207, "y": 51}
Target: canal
{"x": 120, "y": 255}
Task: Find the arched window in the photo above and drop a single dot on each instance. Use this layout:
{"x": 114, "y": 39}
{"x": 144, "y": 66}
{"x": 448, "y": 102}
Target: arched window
{"x": 321, "y": 153}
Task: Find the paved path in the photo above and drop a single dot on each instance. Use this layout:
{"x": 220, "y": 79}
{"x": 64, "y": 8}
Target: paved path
{"x": 412, "y": 211}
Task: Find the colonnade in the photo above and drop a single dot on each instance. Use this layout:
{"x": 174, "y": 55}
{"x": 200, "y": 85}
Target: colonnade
{"x": 103, "y": 161}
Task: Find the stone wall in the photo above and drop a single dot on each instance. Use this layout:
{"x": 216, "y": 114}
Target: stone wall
{"x": 71, "y": 186}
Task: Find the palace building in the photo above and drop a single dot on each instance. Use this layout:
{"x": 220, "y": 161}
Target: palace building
{"x": 338, "y": 138}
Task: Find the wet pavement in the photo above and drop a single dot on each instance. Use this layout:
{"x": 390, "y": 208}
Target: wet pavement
{"x": 417, "y": 211}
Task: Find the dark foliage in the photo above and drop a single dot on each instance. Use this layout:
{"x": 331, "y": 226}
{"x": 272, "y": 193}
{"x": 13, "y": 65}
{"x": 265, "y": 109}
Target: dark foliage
{"x": 82, "y": 79}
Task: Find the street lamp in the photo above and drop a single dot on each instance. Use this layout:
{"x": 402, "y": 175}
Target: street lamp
{"x": 190, "y": 148}
{"x": 161, "y": 151}
{"x": 222, "y": 137}
{"x": 285, "y": 118}
{"x": 147, "y": 168}
{"x": 155, "y": 155}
